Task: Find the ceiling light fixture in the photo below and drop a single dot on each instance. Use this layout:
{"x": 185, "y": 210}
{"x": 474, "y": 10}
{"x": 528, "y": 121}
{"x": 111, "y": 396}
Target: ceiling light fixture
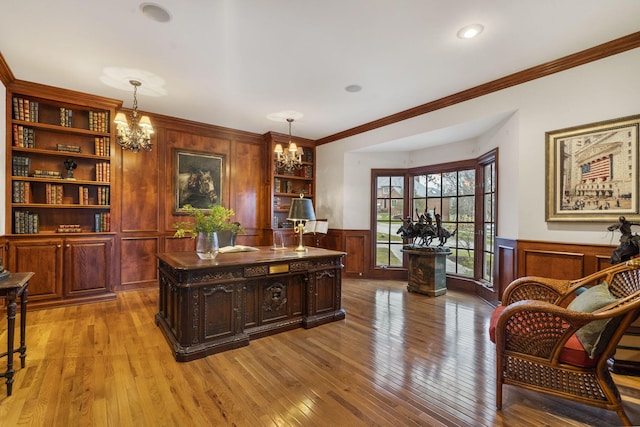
{"x": 470, "y": 31}
{"x": 291, "y": 158}
{"x": 136, "y": 134}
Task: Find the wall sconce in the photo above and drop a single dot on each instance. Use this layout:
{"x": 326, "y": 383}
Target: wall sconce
{"x": 136, "y": 134}
{"x": 291, "y": 158}
{"x": 301, "y": 210}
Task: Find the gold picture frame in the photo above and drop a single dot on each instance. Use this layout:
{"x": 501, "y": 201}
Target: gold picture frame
{"x": 198, "y": 180}
{"x": 592, "y": 171}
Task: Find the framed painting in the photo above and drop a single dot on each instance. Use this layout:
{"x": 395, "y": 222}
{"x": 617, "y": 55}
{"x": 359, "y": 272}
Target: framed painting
{"x": 199, "y": 180}
{"x": 592, "y": 171}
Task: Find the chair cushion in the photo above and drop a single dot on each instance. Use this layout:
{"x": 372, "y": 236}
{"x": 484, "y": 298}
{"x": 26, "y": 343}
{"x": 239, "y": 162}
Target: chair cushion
{"x": 572, "y": 353}
{"x": 592, "y": 335}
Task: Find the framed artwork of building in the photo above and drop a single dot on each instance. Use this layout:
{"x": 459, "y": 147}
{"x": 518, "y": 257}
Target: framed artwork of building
{"x": 592, "y": 171}
{"x": 198, "y": 180}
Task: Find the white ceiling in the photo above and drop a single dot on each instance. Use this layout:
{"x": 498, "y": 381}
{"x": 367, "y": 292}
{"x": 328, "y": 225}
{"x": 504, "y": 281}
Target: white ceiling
{"x": 232, "y": 62}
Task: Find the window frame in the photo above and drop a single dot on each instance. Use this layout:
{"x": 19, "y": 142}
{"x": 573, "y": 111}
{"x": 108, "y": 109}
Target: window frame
{"x": 478, "y": 164}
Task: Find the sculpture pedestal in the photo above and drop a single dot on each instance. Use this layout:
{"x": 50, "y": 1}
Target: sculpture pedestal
{"x": 427, "y": 269}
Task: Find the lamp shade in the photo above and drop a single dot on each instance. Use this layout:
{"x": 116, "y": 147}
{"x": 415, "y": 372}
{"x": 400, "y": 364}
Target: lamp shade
{"x": 301, "y": 210}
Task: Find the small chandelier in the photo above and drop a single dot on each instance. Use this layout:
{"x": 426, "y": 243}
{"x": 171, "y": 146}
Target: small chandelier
{"x": 137, "y": 135}
{"x": 291, "y": 158}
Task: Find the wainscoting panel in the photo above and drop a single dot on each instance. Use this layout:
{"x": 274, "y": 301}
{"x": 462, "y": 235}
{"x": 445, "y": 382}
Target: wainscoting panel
{"x": 138, "y": 263}
{"x": 561, "y": 260}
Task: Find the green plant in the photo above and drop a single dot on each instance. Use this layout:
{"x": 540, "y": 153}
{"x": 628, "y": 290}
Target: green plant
{"x": 216, "y": 218}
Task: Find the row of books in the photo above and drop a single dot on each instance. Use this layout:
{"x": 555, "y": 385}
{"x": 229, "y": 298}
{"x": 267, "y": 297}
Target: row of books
{"x": 23, "y": 136}
{"x": 305, "y": 171}
{"x": 42, "y": 173}
{"x": 68, "y": 148}
{"x": 102, "y": 145}
{"x": 21, "y": 192}
{"x": 83, "y": 195}
{"x": 66, "y": 117}
{"x": 103, "y": 172}
{"x": 24, "y": 109}
{"x": 102, "y": 196}
{"x": 103, "y": 222}
{"x": 285, "y": 186}
{"x": 21, "y": 166}
{"x": 25, "y": 222}
{"x": 54, "y": 194}
{"x": 99, "y": 121}
{"x": 69, "y": 228}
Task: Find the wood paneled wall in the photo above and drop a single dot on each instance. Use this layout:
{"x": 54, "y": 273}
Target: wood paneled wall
{"x": 147, "y": 189}
{"x": 561, "y": 260}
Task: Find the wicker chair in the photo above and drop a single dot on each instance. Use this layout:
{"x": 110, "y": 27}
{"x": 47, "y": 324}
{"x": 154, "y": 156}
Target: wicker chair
{"x": 536, "y": 343}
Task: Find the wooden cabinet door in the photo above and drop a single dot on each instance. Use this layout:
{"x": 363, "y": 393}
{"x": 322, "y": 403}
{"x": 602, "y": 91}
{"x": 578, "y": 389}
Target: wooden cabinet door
{"x": 44, "y": 258}
{"x": 87, "y": 262}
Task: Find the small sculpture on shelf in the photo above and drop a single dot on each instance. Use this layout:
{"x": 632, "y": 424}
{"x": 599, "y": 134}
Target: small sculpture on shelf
{"x": 70, "y": 165}
{"x": 629, "y": 242}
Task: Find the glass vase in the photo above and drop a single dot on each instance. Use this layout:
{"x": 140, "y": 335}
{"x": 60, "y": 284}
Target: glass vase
{"x": 207, "y": 244}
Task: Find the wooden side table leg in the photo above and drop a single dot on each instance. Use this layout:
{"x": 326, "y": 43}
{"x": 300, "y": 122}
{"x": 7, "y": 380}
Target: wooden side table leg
{"x": 11, "y": 322}
{"x": 24, "y": 298}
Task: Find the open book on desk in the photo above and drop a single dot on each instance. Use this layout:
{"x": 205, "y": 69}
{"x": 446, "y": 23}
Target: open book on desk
{"x": 237, "y": 248}
{"x": 316, "y": 227}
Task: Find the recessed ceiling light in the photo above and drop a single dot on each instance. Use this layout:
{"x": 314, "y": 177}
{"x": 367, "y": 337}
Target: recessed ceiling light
{"x": 155, "y": 12}
{"x": 353, "y": 88}
{"x": 470, "y": 31}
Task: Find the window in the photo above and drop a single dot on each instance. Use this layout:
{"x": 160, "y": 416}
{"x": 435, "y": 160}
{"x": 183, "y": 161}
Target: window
{"x": 450, "y": 198}
{"x": 389, "y": 211}
{"x": 488, "y": 186}
{"x": 461, "y": 195}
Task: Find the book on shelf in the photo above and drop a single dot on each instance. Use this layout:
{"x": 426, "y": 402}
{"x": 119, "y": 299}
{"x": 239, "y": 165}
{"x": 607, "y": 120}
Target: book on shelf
{"x": 83, "y": 195}
{"x": 103, "y": 172}
{"x": 25, "y": 222}
{"x": 99, "y": 121}
{"x": 41, "y": 173}
{"x": 21, "y": 192}
{"x": 24, "y": 109}
{"x": 102, "y": 145}
{"x": 68, "y": 148}
{"x": 54, "y": 194}
{"x": 23, "y": 136}
{"x": 69, "y": 228}
{"x": 102, "y": 222}
{"x": 66, "y": 117}
{"x": 21, "y": 166}
{"x": 103, "y": 196}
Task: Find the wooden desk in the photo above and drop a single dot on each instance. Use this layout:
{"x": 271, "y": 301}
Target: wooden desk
{"x": 209, "y": 306}
{"x": 16, "y": 285}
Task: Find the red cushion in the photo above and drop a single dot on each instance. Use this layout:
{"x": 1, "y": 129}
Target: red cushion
{"x": 494, "y": 321}
{"x": 573, "y": 353}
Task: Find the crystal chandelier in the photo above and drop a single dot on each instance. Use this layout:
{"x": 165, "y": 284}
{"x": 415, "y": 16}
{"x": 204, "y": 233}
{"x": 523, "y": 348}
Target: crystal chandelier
{"x": 291, "y": 158}
{"x": 136, "y": 134}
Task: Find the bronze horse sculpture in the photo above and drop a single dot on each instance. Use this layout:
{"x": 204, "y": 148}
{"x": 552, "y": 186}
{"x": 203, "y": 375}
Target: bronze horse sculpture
{"x": 424, "y": 231}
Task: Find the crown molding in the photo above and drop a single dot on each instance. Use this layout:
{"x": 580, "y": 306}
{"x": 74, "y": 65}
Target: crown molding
{"x": 6, "y": 75}
{"x": 595, "y": 53}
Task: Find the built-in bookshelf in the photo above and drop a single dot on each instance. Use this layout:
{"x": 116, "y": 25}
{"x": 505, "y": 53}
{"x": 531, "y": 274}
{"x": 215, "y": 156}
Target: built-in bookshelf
{"x": 59, "y": 157}
{"x": 60, "y": 175}
{"x": 288, "y": 184}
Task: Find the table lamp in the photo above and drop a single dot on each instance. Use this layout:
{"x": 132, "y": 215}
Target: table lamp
{"x": 301, "y": 210}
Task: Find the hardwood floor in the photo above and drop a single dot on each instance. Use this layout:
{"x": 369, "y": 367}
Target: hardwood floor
{"x": 397, "y": 359}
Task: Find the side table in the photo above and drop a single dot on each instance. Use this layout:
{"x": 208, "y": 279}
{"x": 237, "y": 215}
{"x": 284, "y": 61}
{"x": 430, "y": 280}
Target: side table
{"x": 15, "y": 286}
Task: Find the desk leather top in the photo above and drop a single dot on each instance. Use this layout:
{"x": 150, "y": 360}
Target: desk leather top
{"x": 265, "y": 255}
